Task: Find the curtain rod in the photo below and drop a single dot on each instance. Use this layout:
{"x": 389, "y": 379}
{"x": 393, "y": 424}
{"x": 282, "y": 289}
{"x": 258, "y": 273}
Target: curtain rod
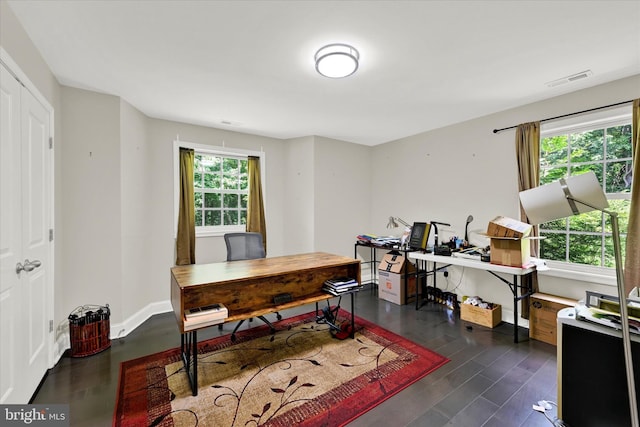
{"x": 569, "y": 115}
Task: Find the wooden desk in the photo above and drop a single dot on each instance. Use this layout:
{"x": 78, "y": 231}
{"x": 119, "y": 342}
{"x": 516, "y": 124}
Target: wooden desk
{"x": 247, "y": 289}
{"x": 493, "y": 269}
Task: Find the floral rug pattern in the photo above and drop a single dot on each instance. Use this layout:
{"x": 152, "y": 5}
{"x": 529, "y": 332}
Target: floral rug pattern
{"x": 301, "y": 375}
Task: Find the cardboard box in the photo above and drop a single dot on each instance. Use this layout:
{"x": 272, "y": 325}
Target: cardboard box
{"x": 543, "y": 316}
{"x": 509, "y": 244}
{"x": 391, "y": 276}
{"x": 510, "y": 252}
{"x": 481, "y": 316}
{"x": 502, "y": 226}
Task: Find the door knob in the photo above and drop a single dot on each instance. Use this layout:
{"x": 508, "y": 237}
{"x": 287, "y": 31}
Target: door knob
{"x": 27, "y": 266}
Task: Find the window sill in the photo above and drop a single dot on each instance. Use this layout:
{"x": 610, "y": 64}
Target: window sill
{"x": 220, "y": 231}
{"x": 601, "y": 276}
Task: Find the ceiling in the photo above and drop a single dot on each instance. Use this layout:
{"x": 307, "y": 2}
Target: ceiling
{"x": 248, "y": 66}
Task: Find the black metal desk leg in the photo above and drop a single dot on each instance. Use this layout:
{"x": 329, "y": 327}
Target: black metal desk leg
{"x": 419, "y": 263}
{"x": 515, "y": 309}
{"x": 353, "y": 317}
{"x": 373, "y": 270}
{"x": 189, "y": 350}
{"x": 194, "y": 345}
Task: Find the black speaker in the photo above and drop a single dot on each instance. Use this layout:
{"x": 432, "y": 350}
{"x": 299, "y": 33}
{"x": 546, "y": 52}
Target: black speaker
{"x": 419, "y": 235}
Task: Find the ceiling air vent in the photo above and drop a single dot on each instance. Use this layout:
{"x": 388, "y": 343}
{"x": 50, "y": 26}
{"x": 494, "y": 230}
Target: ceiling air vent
{"x": 572, "y": 78}
{"x": 229, "y": 122}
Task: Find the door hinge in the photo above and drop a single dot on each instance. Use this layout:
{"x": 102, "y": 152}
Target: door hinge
{"x": 50, "y": 325}
{"x": 51, "y": 234}
{"x": 50, "y": 142}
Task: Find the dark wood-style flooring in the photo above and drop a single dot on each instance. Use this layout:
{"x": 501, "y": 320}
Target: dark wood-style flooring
{"x": 490, "y": 381}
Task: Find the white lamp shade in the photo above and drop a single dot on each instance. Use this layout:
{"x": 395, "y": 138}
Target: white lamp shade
{"x": 549, "y": 202}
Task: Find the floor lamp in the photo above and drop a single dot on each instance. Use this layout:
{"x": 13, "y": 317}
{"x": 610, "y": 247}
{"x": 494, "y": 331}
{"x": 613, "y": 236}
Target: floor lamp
{"x": 572, "y": 196}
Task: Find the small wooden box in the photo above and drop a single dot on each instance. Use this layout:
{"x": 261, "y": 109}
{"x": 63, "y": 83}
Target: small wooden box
{"x": 482, "y": 316}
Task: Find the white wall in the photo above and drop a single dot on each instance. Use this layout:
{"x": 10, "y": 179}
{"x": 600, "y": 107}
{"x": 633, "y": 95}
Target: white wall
{"x": 299, "y": 195}
{"x": 449, "y": 173}
{"x": 342, "y": 194}
{"x": 91, "y": 201}
{"x": 328, "y": 190}
{"x": 136, "y": 179}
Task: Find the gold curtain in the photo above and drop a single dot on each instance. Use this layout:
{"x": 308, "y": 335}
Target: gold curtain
{"x": 255, "y": 209}
{"x": 528, "y": 155}
{"x": 186, "y": 238}
{"x": 632, "y": 259}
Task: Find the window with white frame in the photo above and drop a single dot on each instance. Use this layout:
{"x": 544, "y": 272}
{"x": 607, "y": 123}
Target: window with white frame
{"x": 600, "y": 143}
{"x": 220, "y": 187}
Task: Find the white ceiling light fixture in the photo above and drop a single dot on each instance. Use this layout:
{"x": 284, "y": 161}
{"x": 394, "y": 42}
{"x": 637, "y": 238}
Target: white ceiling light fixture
{"x": 337, "y": 60}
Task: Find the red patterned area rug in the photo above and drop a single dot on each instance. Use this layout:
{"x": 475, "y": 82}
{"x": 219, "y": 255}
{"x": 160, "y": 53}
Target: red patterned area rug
{"x": 301, "y": 375}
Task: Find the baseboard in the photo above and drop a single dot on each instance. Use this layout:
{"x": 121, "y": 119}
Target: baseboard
{"x": 120, "y": 330}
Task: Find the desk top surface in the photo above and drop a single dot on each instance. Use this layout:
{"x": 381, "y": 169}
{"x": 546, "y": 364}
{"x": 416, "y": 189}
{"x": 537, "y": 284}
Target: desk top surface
{"x": 221, "y": 272}
{"x": 472, "y": 263}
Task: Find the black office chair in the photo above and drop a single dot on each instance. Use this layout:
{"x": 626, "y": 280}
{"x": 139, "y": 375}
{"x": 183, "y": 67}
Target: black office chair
{"x": 242, "y": 246}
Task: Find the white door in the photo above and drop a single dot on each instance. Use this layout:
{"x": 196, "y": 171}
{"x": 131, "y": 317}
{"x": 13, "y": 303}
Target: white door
{"x": 25, "y": 218}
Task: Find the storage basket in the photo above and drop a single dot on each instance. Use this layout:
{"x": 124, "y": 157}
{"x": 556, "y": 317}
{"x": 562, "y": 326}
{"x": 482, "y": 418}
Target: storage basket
{"x": 89, "y": 330}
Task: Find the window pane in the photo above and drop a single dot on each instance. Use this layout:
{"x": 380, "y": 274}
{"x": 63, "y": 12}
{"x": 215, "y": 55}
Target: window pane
{"x": 244, "y": 198}
{"x": 230, "y": 174}
{"x": 554, "y": 151}
{"x": 198, "y": 218}
{"x": 622, "y": 208}
{"x": 212, "y": 217}
{"x": 230, "y": 217}
{"x": 197, "y": 197}
{"x": 558, "y": 224}
{"x": 554, "y": 246}
{"x": 587, "y": 146}
{"x": 230, "y": 200}
{"x": 587, "y": 222}
{"x": 585, "y": 249}
{"x": 243, "y": 217}
{"x": 212, "y": 181}
{"x": 595, "y": 168}
{"x": 244, "y": 175}
{"x": 619, "y": 142}
{"x": 609, "y": 256}
{"x": 618, "y": 177}
{"x": 197, "y": 180}
{"x": 212, "y": 163}
{"x": 212, "y": 200}
{"x": 551, "y": 175}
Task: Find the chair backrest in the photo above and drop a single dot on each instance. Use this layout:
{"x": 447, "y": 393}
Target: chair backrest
{"x": 244, "y": 246}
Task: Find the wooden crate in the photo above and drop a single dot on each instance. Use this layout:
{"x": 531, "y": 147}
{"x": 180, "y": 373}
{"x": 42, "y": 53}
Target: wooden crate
{"x": 543, "y": 315}
{"x": 481, "y": 316}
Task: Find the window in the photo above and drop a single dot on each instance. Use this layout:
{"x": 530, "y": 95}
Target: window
{"x": 601, "y": 145}
{"x": 220, "y": 187}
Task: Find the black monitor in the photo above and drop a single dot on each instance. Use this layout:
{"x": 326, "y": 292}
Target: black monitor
{"x": 419, "y": 235}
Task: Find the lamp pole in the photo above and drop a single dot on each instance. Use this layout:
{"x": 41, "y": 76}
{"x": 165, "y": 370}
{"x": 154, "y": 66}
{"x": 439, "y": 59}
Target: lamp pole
{"x": 624, "y": 317}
